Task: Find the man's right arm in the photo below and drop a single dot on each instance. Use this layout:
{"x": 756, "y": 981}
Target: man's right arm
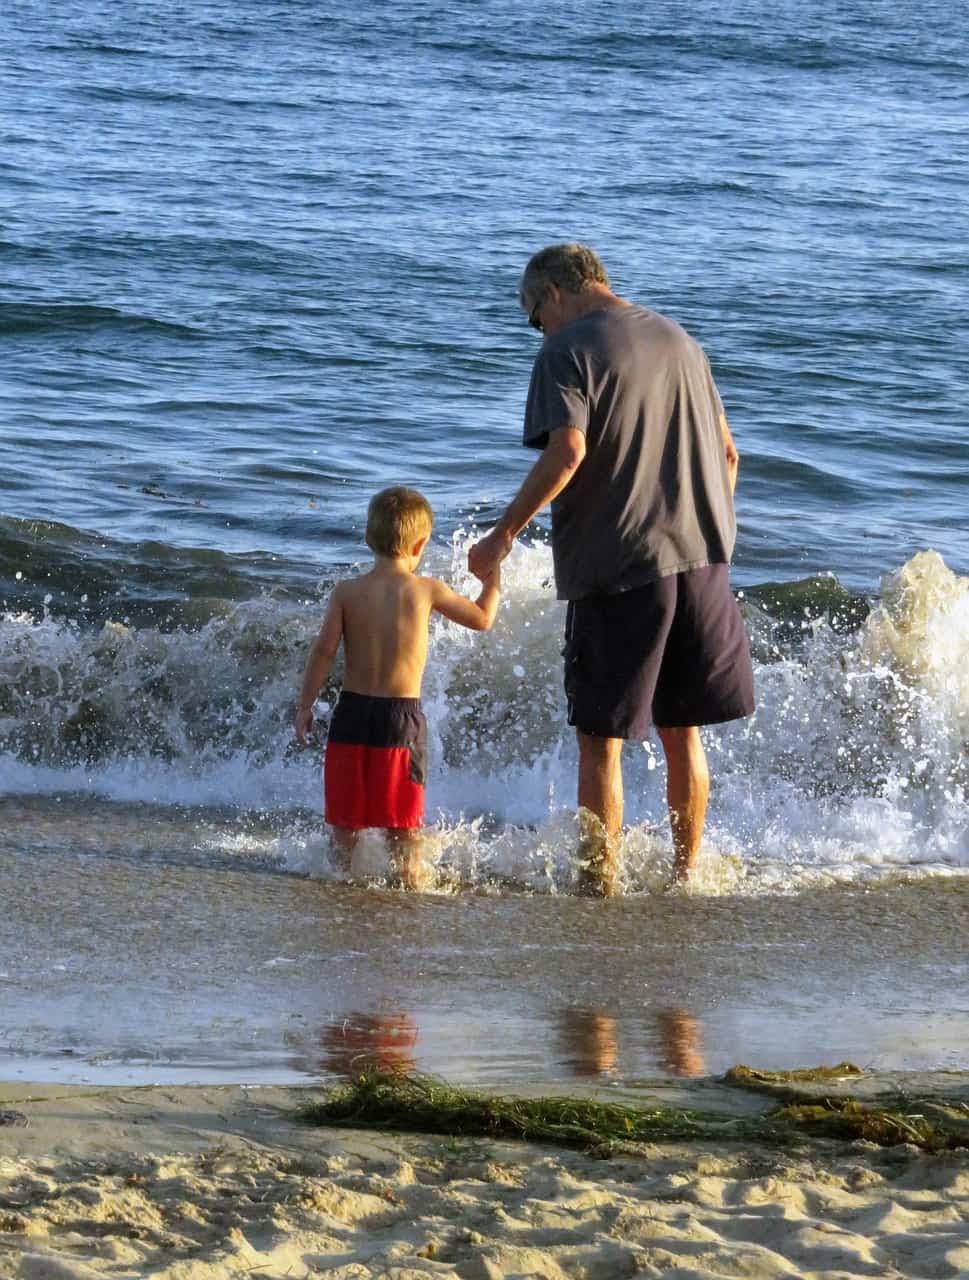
{"x": 560, "y": 459}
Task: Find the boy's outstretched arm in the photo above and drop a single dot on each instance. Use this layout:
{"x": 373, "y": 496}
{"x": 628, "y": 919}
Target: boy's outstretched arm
{"x": 478, "y": 614}
{"x": 318, "y": 664}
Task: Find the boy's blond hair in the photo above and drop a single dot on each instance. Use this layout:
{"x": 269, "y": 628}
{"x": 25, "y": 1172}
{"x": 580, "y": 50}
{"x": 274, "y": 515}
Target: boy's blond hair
{"x": 396, "y": 519}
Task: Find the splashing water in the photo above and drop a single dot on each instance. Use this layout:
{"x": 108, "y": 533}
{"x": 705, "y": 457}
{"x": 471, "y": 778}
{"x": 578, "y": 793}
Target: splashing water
{"x": 854, "y": 766}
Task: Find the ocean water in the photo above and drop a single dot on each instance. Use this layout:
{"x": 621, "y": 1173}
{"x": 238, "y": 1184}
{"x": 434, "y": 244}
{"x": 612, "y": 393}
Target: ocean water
{"x": 260, "y": 260}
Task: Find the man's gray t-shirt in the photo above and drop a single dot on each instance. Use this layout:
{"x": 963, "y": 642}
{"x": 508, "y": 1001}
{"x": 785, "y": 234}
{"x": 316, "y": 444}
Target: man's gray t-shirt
{"x": 652, "y": 496}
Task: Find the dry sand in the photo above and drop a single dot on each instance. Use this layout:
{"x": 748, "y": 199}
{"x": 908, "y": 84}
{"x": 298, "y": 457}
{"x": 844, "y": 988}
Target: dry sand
{"x": 204, "y": 1183}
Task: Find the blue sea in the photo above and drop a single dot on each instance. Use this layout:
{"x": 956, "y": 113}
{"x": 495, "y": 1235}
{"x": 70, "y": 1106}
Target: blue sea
{"x": 260, "y": 260}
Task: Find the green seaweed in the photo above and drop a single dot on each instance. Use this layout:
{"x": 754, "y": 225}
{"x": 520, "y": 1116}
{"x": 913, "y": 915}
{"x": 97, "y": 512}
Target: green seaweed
{"x": 423, "y": 1104}
{"x": 846, "y": 1118}
{"x": 751, "y": 1078}
{"x": 418, "y": 1103}
{"x": 783, "y": 1085}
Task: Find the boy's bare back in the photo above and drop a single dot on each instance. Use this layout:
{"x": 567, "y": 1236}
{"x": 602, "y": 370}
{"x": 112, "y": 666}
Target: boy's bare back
{"x": 385, "y": 615}
{"x": 382, "y": 618}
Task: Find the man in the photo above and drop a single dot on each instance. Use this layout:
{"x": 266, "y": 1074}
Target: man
{"x": 640, "y": 467}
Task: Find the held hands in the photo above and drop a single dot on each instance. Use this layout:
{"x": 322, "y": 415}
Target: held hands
{"x": 303, "y": 724}
{"x": 486, "y": 555}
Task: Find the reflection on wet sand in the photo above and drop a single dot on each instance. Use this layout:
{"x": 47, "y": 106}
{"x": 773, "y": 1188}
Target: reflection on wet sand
{"x": 590, "y": 1040}
{"x": 682, "y": 1041}
{"x": 591, "y": 1043}
{"x": 369, "y": 1042}
{"x": 587, "y": 1041}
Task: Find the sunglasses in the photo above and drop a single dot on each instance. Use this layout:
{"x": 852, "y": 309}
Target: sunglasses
{"x": 533, "y": 319}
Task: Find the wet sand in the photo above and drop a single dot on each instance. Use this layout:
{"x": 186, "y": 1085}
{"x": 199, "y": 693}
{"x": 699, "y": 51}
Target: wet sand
{"x": 209, "y": 1183}
{"x": 183, "y": 968}
{"x": 172, "y": 968}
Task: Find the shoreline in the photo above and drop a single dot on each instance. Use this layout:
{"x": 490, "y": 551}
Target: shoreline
{"x": 278, "y": 980}
{"x": 198, "y": 1183}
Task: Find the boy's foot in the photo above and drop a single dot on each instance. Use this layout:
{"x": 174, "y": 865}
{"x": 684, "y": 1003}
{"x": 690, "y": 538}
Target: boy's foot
{"x": 422, "y": 882}
{"x": 344, "y": 842}
{"x": 409, "y": 869}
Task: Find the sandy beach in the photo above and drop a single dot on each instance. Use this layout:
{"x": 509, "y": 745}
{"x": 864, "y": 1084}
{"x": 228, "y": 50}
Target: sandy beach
{"x": 263, "y": 261}
{"x": 202, "y": 1183}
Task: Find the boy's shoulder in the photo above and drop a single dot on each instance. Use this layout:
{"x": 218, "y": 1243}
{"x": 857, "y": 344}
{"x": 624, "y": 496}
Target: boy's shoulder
{"x": 363, "y": 584}
{"x": 346, "y": 590}
{"x": 351, "y": 583}
{"x": 428, "y": 587}
{"x": 434, "y": 588}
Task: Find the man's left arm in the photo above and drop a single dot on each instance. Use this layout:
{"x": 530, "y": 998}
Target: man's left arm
{"x": 560, "y": 460}
{"x": 730, "y": 450}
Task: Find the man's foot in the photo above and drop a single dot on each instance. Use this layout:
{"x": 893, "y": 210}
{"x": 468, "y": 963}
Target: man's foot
{"x": 595, "y": 884}
{"x": 598, "y": 858}
{"x": 682, "y": 869}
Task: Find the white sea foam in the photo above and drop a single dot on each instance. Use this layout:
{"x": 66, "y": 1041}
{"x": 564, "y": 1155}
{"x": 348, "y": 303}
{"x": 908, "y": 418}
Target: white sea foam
{"x": 853, "y": 768}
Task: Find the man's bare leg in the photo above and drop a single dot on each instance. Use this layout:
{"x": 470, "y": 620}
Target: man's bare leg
{"x": 682, "y": 1042}
{"x": 345, "y": 841}
{"x": 600, "y": 794}
{"x": 687, "y": 792}
{"x": 408, "y": 866}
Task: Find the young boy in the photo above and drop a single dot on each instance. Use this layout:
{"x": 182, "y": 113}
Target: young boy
{"x": 376, "y": 754}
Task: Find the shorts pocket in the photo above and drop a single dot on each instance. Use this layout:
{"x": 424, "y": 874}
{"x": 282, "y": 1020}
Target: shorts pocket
{"x": 418, "y": 754}
{"x": 586, "y": 652}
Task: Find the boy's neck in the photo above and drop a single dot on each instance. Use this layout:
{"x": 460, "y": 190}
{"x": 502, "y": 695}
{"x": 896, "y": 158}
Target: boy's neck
{"x": 396, "y": 564}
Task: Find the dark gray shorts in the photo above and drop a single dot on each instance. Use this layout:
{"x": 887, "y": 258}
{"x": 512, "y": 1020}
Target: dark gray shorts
{"x": 672, "y": 653}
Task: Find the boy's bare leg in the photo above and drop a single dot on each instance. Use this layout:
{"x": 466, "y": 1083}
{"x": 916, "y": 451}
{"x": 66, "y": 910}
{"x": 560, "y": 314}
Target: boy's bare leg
{"x": 345, "y": 841}
{"x": 687, "y": 792}
{"x": 600, "y": 813}
{"x": 408, "y": 867}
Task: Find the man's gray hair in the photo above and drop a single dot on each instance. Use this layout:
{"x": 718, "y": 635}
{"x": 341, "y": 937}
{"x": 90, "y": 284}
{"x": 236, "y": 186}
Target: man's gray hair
{"x": 570, "y": 267}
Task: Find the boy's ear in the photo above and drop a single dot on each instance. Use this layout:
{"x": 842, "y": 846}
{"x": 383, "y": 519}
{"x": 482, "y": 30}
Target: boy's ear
{"x": 419, "y": 545}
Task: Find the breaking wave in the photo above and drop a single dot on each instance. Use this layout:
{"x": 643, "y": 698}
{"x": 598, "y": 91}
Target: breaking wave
{"x": 854, "y": 767}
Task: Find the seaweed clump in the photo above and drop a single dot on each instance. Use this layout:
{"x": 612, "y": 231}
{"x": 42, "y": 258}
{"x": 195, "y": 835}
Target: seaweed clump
{"x": 418, "y": 1103}
{"x": 847, "y": 1119}
{"x": 783, "y": 1083}
{"x": 422, "y": 1104}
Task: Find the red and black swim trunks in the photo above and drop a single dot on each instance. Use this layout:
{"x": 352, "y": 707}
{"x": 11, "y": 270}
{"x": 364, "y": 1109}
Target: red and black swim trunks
{"x": 376, "y": 763}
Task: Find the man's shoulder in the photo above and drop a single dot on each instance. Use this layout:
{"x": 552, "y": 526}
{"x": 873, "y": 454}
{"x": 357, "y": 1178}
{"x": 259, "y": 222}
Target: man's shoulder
{"x": 667, "y": 337}
{"x": 656, "y": 323}
{"x": 632, "y": 319}
{"x": 613, "y": 336}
